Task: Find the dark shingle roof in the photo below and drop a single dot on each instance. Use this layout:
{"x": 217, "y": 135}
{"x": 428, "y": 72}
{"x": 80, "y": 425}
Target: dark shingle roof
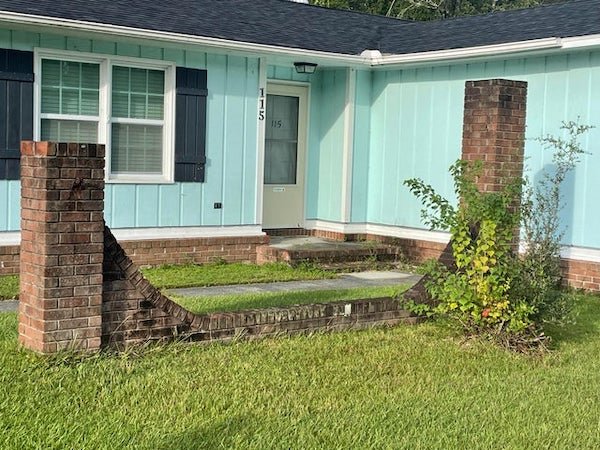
{"x": 287, "y": 24}
{"x": 573, "y": 18}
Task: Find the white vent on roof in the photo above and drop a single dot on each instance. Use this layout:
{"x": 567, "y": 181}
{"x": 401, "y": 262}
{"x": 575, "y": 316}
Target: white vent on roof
{"x": 299, "y": 1}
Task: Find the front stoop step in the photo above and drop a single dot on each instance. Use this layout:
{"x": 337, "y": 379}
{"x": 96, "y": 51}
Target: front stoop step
{"x": 350, "y": 256}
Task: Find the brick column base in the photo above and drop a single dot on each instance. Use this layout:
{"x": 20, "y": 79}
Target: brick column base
{"x": 62, "y": 198}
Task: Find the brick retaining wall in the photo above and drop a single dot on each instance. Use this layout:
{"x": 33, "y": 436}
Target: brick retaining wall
{"x": 9, "y": 259}
{"x": 194, "y": 250}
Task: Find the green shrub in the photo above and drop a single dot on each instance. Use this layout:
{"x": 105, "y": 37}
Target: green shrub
{"x": 490, "y": 288}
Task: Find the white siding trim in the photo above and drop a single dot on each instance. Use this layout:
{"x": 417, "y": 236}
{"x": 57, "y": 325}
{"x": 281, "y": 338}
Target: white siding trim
{"x": 409, "y": 233}
{"x": 336, "y": 227}
{"x": 581, "y": 254}
{"x": 10, "y": 238}
{"x": 382, "y": 230}
{"x": 348, "y": 149}
{"x": 141, "y": 234}
{"x": 260, "y": 144}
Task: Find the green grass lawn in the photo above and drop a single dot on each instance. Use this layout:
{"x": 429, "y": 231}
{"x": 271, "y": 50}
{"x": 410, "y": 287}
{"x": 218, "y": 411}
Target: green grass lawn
{"x": 218, "y": 274}
{"x": 413, "y": 387}
{"x": 223, "y": 303}
{"x": 9, "y": 287}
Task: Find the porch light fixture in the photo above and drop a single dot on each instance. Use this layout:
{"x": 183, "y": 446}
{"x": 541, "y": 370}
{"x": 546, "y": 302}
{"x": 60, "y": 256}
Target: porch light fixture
{"x": 305, "y": 67}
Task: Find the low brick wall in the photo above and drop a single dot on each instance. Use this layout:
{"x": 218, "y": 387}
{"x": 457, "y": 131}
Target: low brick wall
{"x": 414, "y": 250}
{"x": 9, "y": 260}
{"x": 135, "y": 312}
{"x": 345, "y": 315}
{"x": 155, "y": 252}
{"x": 194, "y": 250}
{"x": 582, "y": 274}
{"x": 333, "y": 235}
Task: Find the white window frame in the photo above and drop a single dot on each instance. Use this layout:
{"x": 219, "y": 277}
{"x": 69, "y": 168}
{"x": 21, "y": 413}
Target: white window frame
{"x": 105, "y": 121}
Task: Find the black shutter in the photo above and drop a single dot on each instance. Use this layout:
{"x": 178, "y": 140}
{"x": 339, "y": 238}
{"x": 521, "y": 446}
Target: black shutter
{"x": 16, "y": 109}
{"x": 190, "y": 125}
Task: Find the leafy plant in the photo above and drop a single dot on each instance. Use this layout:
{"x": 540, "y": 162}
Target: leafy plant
{"x": 490, "y": 288}
{"x": 538, "y": 276}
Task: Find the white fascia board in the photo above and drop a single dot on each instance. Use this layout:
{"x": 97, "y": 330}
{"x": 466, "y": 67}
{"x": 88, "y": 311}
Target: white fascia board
{"x": 467, "y": 53}
{"x": 163, "y": 36}
{"x": 592, "y": 40}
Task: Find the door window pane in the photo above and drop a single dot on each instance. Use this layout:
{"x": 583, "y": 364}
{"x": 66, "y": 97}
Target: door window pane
{"x": 281, "y": 142}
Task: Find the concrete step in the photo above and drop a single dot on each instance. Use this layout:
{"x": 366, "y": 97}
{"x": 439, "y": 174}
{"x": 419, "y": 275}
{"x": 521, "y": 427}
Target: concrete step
{"x": 335, "y": 254}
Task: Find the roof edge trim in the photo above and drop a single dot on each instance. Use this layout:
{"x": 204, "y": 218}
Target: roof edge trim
{"x": 469, "y": 52}
{"x": 128, "y": 32}
{"x": 590, "y": 40}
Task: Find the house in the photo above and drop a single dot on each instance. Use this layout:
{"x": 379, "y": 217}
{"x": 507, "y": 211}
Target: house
{"x": 216, "y": 129}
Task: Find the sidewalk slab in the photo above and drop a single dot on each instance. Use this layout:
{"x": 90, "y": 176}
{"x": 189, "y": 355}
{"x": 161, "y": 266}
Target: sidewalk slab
{"x": 8, "y": 306}
{"x": 345, "y": 281}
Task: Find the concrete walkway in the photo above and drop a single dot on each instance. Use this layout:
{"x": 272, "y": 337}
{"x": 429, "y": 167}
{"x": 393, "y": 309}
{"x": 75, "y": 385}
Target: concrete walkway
{"x": 8, "y": 306}
{"x": 344, "y": 281}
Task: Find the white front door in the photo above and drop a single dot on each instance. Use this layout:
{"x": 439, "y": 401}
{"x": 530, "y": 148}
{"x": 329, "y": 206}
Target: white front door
{"x": 285, "y": 154}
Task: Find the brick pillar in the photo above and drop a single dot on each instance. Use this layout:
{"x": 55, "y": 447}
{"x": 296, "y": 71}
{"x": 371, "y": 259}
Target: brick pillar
{"x": 62, "y": 232}
{"x": 494, "y": 129}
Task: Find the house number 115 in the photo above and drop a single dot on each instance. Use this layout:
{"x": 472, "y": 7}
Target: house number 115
{"x": 261, "y": 104}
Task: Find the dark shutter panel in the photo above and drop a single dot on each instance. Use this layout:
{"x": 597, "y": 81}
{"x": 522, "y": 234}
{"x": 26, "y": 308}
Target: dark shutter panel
{"x": 190, "y": 125}
{"x": 16, "y": 109}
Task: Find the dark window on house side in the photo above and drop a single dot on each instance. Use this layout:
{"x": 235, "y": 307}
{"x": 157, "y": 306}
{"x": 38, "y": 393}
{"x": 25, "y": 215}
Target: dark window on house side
{"x": 16, "y": 111}
{"x": 190, "y": 125}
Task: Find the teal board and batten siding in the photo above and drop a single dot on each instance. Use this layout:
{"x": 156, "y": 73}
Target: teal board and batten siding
{"x": 360, "y": 150}
{"x": 10, "y": 205}
{"x": 230, "y": 148}
{"x": 416, "y": 129}
{"x": 326, "y": 145}
{"x": 285, "y": 73}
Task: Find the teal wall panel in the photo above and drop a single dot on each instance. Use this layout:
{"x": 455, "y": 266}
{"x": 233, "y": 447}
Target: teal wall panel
{"x": 360, "y": 151}
{"x": 230, "y": 151}
{"x": 191, "y": 204}
{"x": 169, "y": 200}
{"x": 287, "y": 73}
{"x": 325, "y": 153}
{"x": 422, "y": 136}
{"x": 10, "y": 205}
{"x": 249, "y": 159}
{"x": 233, "y": 136}
{"x": 414, "y": 133}
{"x": 146, "y": 212}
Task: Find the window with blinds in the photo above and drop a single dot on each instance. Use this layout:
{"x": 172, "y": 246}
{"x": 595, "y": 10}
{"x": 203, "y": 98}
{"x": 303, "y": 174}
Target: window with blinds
{"x": 137, "y": 120}
{"x": 70, "y": 101}
{"x": 151, "y": 115}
